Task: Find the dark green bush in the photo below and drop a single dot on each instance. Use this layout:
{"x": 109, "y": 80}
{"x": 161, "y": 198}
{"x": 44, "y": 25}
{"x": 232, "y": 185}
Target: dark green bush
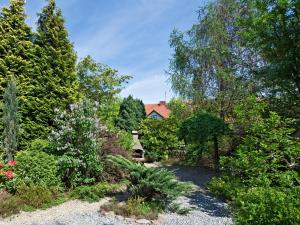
{"x": 36, "y": 167}
{"x": 112, "y": 173}
{"x": 152, "y": 184}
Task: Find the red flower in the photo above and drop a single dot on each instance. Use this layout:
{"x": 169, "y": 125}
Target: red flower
{"x": 9, "y": 174}
{"x": 12, "y": 163}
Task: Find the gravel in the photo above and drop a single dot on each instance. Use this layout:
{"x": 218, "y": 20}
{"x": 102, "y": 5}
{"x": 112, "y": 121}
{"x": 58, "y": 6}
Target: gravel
{"x": 206, "y": 210}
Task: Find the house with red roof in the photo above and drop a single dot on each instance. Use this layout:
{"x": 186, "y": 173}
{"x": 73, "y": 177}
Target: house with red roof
{"x": 157, "y": 111}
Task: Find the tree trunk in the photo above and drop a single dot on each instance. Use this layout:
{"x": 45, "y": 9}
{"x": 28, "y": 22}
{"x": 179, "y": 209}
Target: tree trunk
{"x": 216, "y": 156}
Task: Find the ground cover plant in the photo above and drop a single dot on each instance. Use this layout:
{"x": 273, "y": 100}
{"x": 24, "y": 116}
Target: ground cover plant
{"x": 135, "y": 207}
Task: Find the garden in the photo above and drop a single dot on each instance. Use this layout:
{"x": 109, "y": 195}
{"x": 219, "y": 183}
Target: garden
{"x": 229, "y": 152}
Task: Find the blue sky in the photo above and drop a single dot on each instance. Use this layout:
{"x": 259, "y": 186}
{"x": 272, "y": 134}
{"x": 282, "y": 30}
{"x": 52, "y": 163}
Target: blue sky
{"x": 129, "y": 35}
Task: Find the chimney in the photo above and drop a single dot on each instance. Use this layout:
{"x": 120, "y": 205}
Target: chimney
{"x": 162, "y": 103}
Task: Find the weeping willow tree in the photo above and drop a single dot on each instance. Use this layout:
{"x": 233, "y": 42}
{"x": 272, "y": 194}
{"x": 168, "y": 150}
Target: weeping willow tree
{"x": 10, "y": 120}
{"x": 209, "y": 65}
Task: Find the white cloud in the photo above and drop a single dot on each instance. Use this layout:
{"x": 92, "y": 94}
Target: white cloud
{"x": 151, "y": 89}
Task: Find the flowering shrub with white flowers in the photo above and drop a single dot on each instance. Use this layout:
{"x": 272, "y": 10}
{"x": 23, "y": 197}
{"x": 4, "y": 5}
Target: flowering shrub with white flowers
{"x": 77, "y": 142}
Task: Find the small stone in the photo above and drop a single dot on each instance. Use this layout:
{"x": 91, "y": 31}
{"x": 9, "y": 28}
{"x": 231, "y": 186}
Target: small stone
{"x": 142, "y": 221}
{"x": 131, "y": 220}
{"x": 119, "y": 217}
{"x": 111, "y": 214}
{"x": 159, "y": 220}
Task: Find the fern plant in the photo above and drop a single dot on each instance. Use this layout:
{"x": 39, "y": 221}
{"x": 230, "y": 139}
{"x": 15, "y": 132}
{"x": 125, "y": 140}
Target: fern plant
{"x": 153, "y": 184}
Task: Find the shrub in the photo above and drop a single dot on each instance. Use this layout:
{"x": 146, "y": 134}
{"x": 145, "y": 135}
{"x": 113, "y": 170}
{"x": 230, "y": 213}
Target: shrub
{"x": 125, "y": 140}
{"x": 264, "y": 206}
{"x": 159, "y": 136}
{"x": 36, "y": 167}
{"x": 77, "y": 143}
{"x": 112, "y": 146}
{"x": 152, "y": 156}
{"x": 152, "y": 184}
{"x": 34, "y": 196}
{"x": 39, "y": 145}
{"x": 134, "y": 207}
{"x": 262, "y": 176}
{"x": 9, "y": 204}
{"x": 202, "y": 128}
{"x": 224, "y": 187}
{"x": 7, "y": 175}
{"x": 95, "y": 192}
{"x": 112, "y": 173}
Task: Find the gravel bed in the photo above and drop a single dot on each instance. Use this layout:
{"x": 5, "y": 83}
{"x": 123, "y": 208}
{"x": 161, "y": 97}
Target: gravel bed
{"x": 206, "y": 210}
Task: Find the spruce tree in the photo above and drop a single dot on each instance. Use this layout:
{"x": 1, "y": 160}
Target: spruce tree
{"x": 10, "y": 120}
{"x": 16, "y": 54}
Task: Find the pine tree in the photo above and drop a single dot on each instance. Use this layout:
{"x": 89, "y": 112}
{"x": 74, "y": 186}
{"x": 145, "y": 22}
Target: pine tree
{"x": 16, "y": 54}
{"x": 10, "y": 120}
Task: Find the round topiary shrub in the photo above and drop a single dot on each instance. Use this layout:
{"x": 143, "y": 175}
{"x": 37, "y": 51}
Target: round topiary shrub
{"x": 36, "y": 167}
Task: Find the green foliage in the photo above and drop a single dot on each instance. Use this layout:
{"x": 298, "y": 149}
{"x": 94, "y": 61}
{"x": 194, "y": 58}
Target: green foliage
{"x": 10, "y": 120}
{"x": 125, "y": 140}
{"x": 263, "y": 171}
{"x": 180, "y": 110}
{"x": 152, "y": 156}
{"x": 108, "y": 112}
{"x": 152, "y": 184}
{"x": 37, "y": 167}
{"x": 272, "y": 29}
{"x": 267, "y": 156}
{"x": 34, "y": 196}
{"x": 16, "y": 58}
{"x": 261, "y": 205}
{"x": 54, "y": 84}
{"x": 98, "y": 81}
{"x": 39, "y": 145}
{"x": 132, "y": 112}
{"x": 134, "y": 207}
{"x": 209, "y": 65}
{"x": 159, "y": 136}
{"x": 76, "y": 142}
{"x": 201, "y": 128}
{"x": 96, "y": 192}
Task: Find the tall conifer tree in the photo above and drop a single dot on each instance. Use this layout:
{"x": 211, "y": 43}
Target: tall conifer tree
{"x": 58, "y": 58}
{"x": 16, "y": 54}
{"x": 10, "y": 120}
{"x": 55, "y": 84}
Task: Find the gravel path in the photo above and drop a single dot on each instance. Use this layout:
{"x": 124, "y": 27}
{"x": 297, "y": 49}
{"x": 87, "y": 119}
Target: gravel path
{"x": 206, "y": 210}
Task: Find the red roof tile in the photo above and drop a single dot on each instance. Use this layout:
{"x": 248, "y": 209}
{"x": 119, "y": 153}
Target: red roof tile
{"x": 161, "y": 108}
